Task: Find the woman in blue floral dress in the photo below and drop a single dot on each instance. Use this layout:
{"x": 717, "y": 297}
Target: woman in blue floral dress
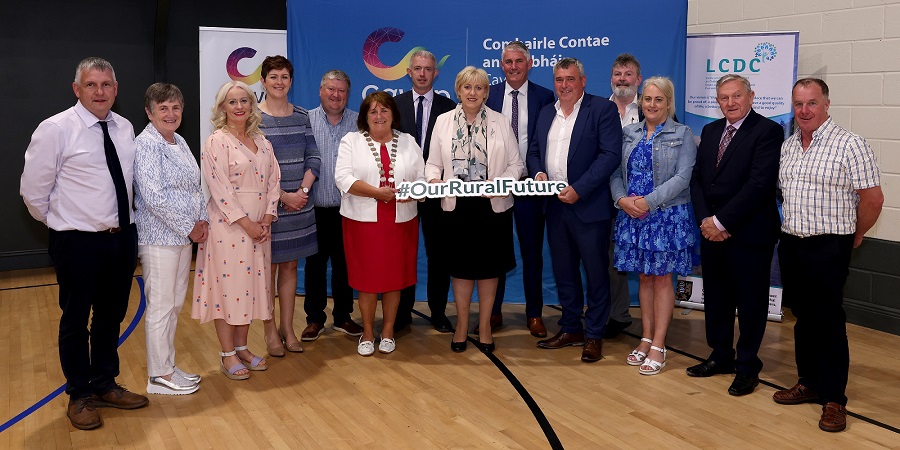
{"x": 654, "y": 231}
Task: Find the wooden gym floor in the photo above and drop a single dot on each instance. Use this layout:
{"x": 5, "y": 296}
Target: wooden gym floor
{"x": 424, "y": 396}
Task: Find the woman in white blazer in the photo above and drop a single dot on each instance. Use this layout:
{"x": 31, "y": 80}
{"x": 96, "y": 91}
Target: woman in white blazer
{"x": 381, "y": 234}
{"x": 473, "y": 143}
{"x": 171, "y": 215}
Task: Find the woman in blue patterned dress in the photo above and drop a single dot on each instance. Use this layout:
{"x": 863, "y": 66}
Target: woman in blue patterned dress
{"x": 654, "y": 231}
{"x": 287, "y": 127}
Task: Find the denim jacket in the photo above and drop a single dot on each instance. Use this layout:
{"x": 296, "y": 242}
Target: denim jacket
{"x": 674, "y": 153}
{"x": 167, "y": 193}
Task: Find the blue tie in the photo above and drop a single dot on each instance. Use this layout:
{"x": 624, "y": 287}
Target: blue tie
{"x": 419, "y": 113}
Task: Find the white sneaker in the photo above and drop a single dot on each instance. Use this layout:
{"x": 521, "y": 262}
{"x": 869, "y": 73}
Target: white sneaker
{"x": 387, "y": 345}
{"x": 188, "y": 376}
{"x": 365, "y": 348}
{"x": 177, "y": 386}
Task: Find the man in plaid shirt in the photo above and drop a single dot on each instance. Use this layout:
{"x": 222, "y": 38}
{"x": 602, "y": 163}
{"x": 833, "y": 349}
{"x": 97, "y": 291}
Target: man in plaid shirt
{"x": 832, "y": 195}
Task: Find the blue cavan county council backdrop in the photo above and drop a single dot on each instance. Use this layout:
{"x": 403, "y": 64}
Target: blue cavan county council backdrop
{"x": 372, "y": 41}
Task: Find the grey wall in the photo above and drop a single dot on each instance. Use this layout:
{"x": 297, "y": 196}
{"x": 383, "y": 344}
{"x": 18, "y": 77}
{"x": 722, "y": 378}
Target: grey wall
{"x": 872, "y": 294}
{"x": 44, "y": 41}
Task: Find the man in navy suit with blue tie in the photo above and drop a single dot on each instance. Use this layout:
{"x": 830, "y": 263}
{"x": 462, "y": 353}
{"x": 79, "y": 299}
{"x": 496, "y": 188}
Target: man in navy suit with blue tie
{"x": 521, "y": 101}
{"x": 578, "y": 140}
{"x": 419, "y": 109}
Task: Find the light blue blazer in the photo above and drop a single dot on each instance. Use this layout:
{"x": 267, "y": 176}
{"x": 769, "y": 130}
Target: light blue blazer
{"x": 167, "y": 192}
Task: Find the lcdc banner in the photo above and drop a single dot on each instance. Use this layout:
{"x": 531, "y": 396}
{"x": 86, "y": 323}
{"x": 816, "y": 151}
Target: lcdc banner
{"x": 373, "y": 41}
{"x": 768, "y": 60}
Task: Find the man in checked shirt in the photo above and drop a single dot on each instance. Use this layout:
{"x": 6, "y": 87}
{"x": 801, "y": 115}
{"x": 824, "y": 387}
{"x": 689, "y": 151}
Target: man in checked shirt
{"x": 832, "y": 196}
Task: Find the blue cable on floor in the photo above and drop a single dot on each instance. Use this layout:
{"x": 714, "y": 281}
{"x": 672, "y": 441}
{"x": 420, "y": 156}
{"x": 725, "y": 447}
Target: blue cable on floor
{"x": 134, "y": 322}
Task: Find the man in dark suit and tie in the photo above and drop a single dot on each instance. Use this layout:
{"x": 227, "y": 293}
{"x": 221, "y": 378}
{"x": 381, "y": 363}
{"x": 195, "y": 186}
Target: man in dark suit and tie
{"x": 733, "y": 191}
{"x": 419, "y": 109}
{"x": 578, "y": 140}
{"x": 521, "y": 100}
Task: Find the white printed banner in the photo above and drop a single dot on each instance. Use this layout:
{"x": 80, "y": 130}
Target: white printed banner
{"x": 233, "y": 54}
{"x": 689, "y": 294}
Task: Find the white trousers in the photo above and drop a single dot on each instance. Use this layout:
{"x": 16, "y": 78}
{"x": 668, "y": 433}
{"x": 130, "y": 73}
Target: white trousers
{"x": 165, "y": 270}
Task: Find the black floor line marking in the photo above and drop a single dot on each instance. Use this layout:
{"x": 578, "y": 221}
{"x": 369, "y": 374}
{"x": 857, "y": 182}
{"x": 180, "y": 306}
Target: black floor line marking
{"x": 28, "y": 287}
{"x": 549, "y": 433}
{"x": 767, "y": 383}
{"x": 42, "y": 285}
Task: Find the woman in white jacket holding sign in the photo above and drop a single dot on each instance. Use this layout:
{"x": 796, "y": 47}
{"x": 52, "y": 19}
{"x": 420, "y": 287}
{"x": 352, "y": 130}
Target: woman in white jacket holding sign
{"x": 381, "y": 233}
{"x": 473, "y": 143}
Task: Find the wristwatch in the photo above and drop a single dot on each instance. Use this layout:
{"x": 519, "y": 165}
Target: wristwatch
{"x": 304, "y": 189}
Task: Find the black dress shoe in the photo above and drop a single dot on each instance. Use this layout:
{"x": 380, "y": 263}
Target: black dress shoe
{"x": 486, "y": 348}
{"x": 458, "y": 347}
{"x": 709, "y": 368}
{"x": 442, "y": 324}
{"x": 743, "y": 384}
{"x": 614, "y": 327}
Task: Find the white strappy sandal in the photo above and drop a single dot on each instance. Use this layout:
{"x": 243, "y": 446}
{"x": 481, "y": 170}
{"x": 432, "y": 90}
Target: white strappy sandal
{"x": 635, "y": 358}
{"x": 653, "y": 367}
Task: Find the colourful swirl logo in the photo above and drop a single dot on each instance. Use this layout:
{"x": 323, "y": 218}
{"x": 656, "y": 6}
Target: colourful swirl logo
{"x": 765, "y": 51}
{"x": 231, "y": 66}
{"x": 379, "y": 69}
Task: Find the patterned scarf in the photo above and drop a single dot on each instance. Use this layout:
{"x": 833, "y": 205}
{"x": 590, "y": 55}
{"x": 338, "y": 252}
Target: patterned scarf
{"x": 469, "y": 146}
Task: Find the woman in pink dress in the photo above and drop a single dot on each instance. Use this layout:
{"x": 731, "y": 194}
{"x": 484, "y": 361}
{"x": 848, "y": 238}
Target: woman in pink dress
{"x": 233, "y": 266}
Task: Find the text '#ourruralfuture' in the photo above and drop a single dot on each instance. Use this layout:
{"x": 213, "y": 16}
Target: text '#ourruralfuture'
{"x": 500, "y": 187}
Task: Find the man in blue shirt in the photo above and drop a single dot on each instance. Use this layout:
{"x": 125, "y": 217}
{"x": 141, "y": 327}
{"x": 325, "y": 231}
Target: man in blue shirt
{"x": 330, "y": 121}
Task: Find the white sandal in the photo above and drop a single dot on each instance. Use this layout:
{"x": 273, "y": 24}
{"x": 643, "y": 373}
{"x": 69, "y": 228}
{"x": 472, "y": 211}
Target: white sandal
{"x": 365, "y": 348}
{"x": 654, "y": 366}
{"x": 635, "y": 358}
{"x": 387, "y": 345}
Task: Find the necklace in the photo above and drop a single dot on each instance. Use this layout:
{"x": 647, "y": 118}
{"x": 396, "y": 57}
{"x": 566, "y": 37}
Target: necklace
{"x": 384, "y": 180}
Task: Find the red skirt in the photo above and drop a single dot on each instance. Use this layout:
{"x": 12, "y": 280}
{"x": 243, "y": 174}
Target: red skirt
{"x": 381, "y": 256}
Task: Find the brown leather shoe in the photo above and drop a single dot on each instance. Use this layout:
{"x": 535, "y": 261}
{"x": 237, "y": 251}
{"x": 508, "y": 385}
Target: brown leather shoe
{"x": 834, "y": 417}
{"x": 312, "y": 332}
{"x": 119, "y": 397}
{"x": 795, "y": 395}
{"x": 349, "y": 328}
{"x": 536, "y": 327}
{"x": 593, "y": 350}
{"x": 562, "y": 340}
{"x": 496, "y": 323}
{"x": 83, "y": 415}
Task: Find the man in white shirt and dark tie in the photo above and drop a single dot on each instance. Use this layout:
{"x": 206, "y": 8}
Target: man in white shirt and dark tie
{"x": 419, "y": 109}
{"x": 77, "y": 180}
